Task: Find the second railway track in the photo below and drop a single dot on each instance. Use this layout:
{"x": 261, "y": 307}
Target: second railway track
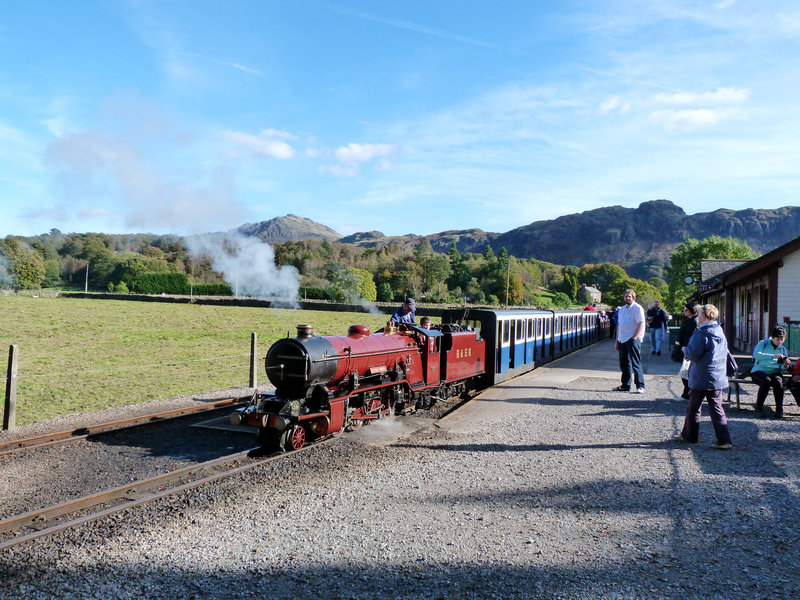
{"x": 31, "y": 525}
{"x": 62, "y": 437}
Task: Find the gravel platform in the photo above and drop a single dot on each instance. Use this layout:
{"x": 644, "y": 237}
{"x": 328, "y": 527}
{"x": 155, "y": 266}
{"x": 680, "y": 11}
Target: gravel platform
{"x": 549, "y": 486}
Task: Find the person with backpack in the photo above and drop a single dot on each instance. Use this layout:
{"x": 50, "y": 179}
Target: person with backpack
{"x": 657, "y": 321}
{"x": 684, "y": 335}
{"x": 770, "y": 364}
{"x": 708, "y": 377}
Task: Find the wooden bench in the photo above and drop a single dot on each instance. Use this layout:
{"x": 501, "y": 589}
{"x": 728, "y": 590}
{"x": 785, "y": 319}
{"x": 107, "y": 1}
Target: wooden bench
{"x": 734, "y": 383}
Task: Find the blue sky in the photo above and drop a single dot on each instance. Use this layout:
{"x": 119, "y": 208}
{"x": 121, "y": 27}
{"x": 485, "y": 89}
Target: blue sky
{"x": 172, "y": 116}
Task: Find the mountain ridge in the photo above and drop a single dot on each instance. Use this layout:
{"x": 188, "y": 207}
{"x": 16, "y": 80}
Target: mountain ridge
{"x": 638, "y": 239}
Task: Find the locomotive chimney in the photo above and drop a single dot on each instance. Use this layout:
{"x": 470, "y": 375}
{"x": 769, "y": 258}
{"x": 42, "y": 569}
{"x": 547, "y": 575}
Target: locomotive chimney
{"x": 305, "y": 331}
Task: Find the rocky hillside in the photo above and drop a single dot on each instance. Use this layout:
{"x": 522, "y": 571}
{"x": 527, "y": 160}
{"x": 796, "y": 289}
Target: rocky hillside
{"x": 638, "y": 239}
{"x": 288, "y": 228}
{"x": 641, "y": 239}
{"x": 467, "y": 240}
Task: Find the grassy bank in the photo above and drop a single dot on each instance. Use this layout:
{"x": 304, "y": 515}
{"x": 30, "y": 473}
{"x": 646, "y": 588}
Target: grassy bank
{"x": 80, "y": 354}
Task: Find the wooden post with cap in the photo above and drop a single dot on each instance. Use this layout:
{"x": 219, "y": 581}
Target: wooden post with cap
{"x": 253, "y": 366}
{"x": 10, "y": 413}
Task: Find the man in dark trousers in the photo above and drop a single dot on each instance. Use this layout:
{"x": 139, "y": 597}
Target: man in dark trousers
{"x": 630, "y": 333}
{"x": 657, "y": 319}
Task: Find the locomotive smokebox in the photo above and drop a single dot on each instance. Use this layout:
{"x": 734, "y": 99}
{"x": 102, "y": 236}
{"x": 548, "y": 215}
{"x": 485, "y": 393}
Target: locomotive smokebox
{"x": 295, "y": 365}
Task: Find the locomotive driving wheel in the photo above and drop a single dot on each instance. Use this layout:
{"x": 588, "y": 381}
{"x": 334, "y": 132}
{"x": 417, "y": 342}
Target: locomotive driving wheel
{"x": 296, "y": 438}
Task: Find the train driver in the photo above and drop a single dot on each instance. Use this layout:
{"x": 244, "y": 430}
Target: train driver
{"x": 404, "y": 314}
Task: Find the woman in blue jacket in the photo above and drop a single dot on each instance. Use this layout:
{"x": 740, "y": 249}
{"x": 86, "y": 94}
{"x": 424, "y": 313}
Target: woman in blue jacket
{"x": 770, "y": 363}
{"x": 708, "y": 351}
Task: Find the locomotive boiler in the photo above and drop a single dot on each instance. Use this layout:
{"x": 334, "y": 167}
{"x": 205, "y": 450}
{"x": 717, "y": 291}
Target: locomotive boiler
{"x": 327, "y": 384}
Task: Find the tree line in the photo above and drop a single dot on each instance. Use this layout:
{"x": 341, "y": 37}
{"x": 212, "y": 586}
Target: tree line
{"x": 148, "y": 263}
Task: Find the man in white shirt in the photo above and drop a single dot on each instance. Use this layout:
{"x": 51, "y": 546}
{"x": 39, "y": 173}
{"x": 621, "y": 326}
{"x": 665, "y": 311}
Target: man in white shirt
{"x": 630, "y": 333}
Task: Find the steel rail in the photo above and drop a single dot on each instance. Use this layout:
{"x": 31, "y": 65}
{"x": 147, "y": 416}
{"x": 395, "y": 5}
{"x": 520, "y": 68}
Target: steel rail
{"x": 134, "y": 493}
{"x": 61, "y": 437}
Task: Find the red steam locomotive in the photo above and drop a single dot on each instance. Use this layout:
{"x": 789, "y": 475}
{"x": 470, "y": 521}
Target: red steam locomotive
{"x": 328, "y": 384}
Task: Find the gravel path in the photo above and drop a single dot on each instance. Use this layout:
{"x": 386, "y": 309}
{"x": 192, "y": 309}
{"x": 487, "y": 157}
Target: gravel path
{"x": 549, "y": 486}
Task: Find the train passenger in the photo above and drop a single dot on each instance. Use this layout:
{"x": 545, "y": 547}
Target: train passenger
{"x": 708, "y": 351}
{"x": 425, "y": 322}
{"x": 630, "y": 333}
{"x": 770, "y": 364}
{"x": 657, "y": 320}
{"x": 405, "y": 314}
{"x": 794, "y": 382}
{"x": 684, "y": 335}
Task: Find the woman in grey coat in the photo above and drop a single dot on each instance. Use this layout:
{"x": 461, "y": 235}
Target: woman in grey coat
{"x": 708, "y": 351}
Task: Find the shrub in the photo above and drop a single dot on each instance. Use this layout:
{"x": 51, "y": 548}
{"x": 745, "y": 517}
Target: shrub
{"x": 212, "y": 289}
{"x": 312, "y": 292}
{"x": 162, "y": 283}
{"x": 385, "y": 292}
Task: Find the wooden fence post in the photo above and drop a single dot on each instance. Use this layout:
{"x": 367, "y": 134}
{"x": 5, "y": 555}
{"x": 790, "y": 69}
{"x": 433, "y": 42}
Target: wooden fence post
{"x": 10, "y": 414}
{"x": 253, "y": 367}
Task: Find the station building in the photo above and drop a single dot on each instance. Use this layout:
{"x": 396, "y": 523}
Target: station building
{"x": 754, "y": 296}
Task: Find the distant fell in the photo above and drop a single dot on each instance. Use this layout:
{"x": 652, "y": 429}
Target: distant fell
{"x": 641, "y": 239}
{"x": 638, "y": 239}
{"x": 467, "y": 240}
{"x": 287, "y": 229}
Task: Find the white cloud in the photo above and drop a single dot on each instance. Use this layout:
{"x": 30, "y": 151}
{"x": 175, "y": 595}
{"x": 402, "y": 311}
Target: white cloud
{"x": 614, "y": 104}
{"x": 351, "y": 157}
{"x": 686, "y": 119}
{"x": 359, "y": 153}
{"x": 722, "y": 95}
{"x": 263, "y": 144}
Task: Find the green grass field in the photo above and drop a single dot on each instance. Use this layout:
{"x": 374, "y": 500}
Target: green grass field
{"x": 79, "y": 355}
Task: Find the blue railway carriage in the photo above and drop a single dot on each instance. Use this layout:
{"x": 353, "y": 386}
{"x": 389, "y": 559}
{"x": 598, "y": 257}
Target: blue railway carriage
{"x": 521, "y": 340}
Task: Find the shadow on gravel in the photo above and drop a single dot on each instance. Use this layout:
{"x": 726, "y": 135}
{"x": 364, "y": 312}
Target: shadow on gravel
{"x": 671, "y": 572}
{"x": 178, "y": 439}
{"x": 655, "y": 577}
{"x": 626, "y": 403}
{"x": 751, "y": 456}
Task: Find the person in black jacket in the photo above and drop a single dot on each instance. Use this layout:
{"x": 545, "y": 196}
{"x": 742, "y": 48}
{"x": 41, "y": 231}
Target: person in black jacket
{"x": 684, "y": 333}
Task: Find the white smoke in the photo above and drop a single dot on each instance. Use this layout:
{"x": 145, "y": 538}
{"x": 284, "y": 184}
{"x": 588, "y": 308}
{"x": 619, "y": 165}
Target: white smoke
{"x": 6, "y": 277}
{"x": 142, "y": 168}
{"x": 248, "y": 266}
{"x": 369, "y": 307}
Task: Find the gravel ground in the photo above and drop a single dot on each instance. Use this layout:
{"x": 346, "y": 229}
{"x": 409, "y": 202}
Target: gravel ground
{"x": 549, "y": 486}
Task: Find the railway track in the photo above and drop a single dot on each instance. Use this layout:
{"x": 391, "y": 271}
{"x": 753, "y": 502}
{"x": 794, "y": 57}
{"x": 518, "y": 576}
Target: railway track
{"x": 52, "y": 519}
{"x": 62, "y": 437}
